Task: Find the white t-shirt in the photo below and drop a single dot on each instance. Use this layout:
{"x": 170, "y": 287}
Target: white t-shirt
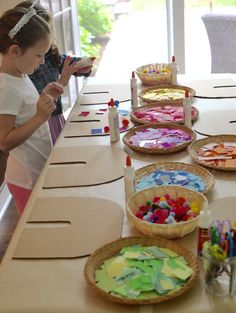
{"x": 18, "y": 97}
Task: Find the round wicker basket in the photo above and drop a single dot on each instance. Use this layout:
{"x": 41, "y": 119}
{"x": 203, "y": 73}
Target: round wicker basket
{"x": 206, "y": 176}
{"x": 169, "y": 231}
{"x": 179, "y": 147}
{"x": 156, "y": 89}
{"x": 195, "y": 146}
{"x": 154, "y": 74}
{"x": 144, "y": 108}
{"x": 96, "y": 259}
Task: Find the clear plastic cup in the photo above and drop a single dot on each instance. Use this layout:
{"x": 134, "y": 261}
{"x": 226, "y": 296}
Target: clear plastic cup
{"x": 220, "y": 276}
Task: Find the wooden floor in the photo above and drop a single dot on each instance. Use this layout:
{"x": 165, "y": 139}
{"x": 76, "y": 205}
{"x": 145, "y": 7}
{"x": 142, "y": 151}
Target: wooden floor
{"x": 7, "y": 226}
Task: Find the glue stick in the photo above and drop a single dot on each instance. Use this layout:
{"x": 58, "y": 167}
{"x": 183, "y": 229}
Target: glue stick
{"x": 204, "y": 222}
{"x": 174, "y": 70}
{"x": 113, "y": 119}
{"x": 187, "y": 110}
{"x": 129, "y": 178}
{"x": 134, "y": 91}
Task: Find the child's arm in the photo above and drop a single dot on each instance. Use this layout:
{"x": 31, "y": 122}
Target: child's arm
{"x": 11, "y": 136}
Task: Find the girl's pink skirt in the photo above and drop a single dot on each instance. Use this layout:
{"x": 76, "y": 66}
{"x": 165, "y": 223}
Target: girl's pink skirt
{"x": 20, "y": 195}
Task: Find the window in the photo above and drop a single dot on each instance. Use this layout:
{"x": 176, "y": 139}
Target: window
{"x": 66, "y": 29}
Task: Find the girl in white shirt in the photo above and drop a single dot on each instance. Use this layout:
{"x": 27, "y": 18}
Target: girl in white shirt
{"x": 24, "y": 40}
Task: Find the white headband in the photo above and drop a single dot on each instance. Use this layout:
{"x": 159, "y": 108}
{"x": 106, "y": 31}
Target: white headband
{"x": 24, "y": 20}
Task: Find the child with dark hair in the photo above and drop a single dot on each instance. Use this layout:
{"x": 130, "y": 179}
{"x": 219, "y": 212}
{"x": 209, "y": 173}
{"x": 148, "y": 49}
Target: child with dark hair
{"x": 24, "y": 40}
{"x": 54, "y": 69}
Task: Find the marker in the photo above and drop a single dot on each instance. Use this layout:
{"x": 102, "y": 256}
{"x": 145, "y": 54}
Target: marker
{"x": 226, "y": 244}
{"x": 231, "y": 244}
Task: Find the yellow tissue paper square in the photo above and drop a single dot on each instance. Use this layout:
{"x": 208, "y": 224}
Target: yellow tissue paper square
{"x": 169, "y": 252}
{"x": 181, "y": 274}
{"x": 116, "y": 268}
{"x": 167, "y": 270}
{"x": 132, "y": 254}
{"x": 167, "y": 285}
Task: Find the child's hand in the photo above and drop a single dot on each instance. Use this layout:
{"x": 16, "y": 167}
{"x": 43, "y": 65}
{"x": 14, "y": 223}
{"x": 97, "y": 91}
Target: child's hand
{"x": 67, "y": 70}
{"x": 45, "y": 106}
{"x": 53, "y": 89}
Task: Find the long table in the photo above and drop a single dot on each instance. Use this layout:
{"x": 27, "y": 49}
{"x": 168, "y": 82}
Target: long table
{"x": 59, "y": 286}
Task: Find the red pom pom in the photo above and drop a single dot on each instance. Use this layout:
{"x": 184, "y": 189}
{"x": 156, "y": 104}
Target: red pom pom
{"x": 143, "y": 208}
{"x": 156, "y": 199}
{"x": 125, "y": 122}
{"x": 180, "y": 200}
{"x": 158, "y": 212}
{"x": 167, "y": 196}
{"x": 106, "y": 129}
{"x": 139, "y": 215}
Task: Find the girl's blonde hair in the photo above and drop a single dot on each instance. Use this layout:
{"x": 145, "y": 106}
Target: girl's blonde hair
{"x": 34, "y": 30}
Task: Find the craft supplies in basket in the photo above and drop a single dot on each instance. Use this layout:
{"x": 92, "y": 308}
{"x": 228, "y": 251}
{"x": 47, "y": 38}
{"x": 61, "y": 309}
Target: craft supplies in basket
{"x": 217, "y": 152}
{"x": 156, "y": 250}
{"x": 165, "y": 94}
{"x": 154, "y": 74}
{"x": 159, "y": 138}
{"x": 174, "y": 173}
{"x": 176, "y": 202}
{"x": 161, "y": 113}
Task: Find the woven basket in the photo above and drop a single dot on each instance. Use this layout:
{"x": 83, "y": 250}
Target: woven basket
{"x": 206, "y": 176}
{"x": 143, "y": 108}
{"x": 177, "y": 87}
{"x": 169, "y": 231}
{"x": 179, "y": 147}
{"x": 154, "y": 78}
{"x": 96, "y": 259}
{"x": 195, "y": 146}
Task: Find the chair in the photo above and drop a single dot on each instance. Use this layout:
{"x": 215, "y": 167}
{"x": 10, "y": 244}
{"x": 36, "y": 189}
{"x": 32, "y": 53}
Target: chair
{"x": 221, "y": 31}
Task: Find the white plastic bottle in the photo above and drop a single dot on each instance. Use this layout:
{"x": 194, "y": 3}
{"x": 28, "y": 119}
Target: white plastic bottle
{"x": 129, "y": 178}
{"x": 187, "y": 110}
{"x": 174, "y": 70}
{"x": 134, "y": 91}
{"x": 204, "y": 222}
{"x": 113, "y": 119}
